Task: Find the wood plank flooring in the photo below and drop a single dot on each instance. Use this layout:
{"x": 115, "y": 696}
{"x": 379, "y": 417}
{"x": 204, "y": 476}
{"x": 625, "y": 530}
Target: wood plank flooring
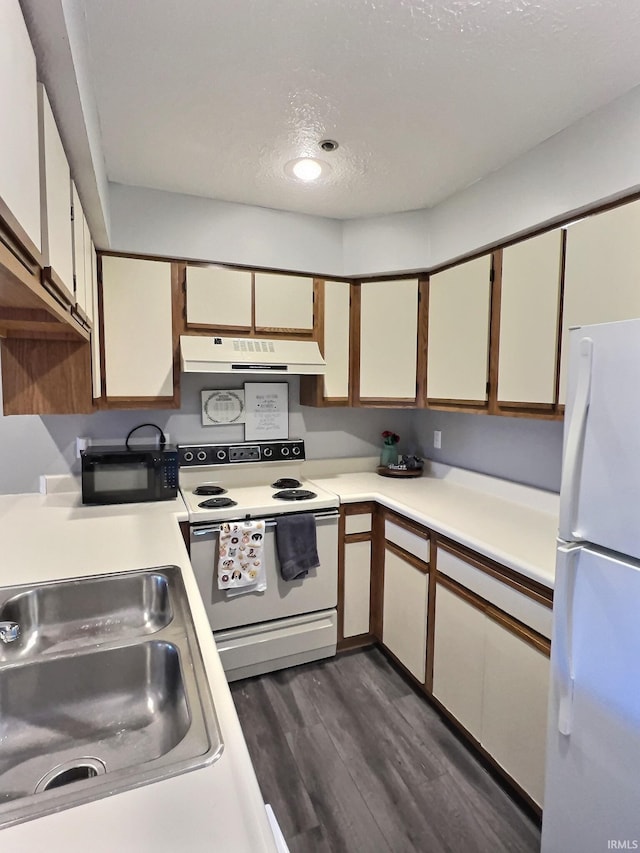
{"x": 352, "y": 759}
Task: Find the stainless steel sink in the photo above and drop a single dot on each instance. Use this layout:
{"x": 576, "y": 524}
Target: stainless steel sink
{"x": 119, "y": 700}
{"x": 68, "y": 613}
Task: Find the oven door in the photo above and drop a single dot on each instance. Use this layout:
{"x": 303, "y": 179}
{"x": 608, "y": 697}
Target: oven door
{"x": 281, "y": 599}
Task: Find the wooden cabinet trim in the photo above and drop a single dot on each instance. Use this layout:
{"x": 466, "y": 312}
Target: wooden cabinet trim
{"x": 407, "y": 523}
{"x": 361, "y": 508}
{"x": 355, "y": 311}
{"x": 563, "y": 259}
{"x": 423, "y": 342}
{"x": 8, "y": 222}
{"x": 507, "y": 621}
{"x": 537, "y": 591}
{"x": 358, "y": 537}
{"x": 495, "y": 303}
{"x": 407, "y": 557}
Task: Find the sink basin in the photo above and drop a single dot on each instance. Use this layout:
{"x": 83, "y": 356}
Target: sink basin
{"x": 104, "y": 691}
{"x": 68, "y": 613}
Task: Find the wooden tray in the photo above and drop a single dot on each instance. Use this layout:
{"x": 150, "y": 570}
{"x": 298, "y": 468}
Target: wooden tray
{"x": 398, "y": 472}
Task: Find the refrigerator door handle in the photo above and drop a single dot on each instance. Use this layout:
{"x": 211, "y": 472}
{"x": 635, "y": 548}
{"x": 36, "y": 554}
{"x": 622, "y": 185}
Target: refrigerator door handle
{"x": 575, "y": 441}
{"x": 566, "y": 570}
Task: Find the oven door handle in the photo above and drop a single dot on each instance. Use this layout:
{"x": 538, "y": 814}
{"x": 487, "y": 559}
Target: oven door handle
{"x": 268, "y": 522}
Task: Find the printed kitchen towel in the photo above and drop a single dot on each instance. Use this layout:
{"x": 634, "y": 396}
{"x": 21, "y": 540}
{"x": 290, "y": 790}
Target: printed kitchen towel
{"x": 240, "y": 563}
{"x": 297, "y": 545}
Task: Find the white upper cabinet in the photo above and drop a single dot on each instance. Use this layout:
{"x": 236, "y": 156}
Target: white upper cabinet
{"x": 55, "y": 180}
{"x": 95, "y": 331}
{"x": 283, "y": 303}
{"x": 458, "y": 349}
{"x": 336, "y": 339}
{"x": 89, "y": 266}
{"x": 529, "y": 305}
{"x": 219, "y": 297}
{"x": 19, "y": 163}
{"x": 137, "y": 319}
{"x": 388, "y": 340}
{"x": 602, "y": 273}
{"x": 81, "y": 253}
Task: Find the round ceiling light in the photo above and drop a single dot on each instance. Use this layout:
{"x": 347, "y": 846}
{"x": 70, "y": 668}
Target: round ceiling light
{"x": 306, "y": 169}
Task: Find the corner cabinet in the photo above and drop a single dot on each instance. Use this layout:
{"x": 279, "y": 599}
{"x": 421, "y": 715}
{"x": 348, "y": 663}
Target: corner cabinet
{"x": 140, "y": 340}
{"x": 386, "y": 352}
{"x": 405, "y": 594}
{"x": 458, "y": 334}
{"x": 333, "y": 326}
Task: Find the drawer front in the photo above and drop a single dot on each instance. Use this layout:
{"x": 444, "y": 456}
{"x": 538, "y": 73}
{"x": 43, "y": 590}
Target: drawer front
{"x": 357, "y": 523}
{"x": 515, "y": 603}
{"x": 408, "y": 541}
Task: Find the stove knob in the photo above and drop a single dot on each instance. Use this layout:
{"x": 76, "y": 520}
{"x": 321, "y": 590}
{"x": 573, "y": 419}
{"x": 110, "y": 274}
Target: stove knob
{"x": 202, "y": 456}
{"x": 188, "y": 456}
{"x": 221, "y": 454}
{"x": 296, "y": 450}
{"x": 268, "y": 452}
{"x": 285, "y": 451}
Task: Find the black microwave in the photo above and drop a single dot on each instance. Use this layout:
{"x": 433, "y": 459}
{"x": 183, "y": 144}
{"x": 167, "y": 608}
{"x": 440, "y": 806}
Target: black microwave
{"x": 115, "y": 475}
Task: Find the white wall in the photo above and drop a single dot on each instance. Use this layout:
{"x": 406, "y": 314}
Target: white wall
{"x": 33, "y": 445}
{"x": 154, "y": 222}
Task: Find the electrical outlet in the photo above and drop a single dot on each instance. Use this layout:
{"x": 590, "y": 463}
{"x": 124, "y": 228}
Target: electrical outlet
{"x": 81, "y": 444}
{"x": 437, "y": 439}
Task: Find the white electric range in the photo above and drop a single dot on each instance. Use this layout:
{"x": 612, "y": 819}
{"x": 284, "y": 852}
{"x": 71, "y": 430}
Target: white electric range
{"x": 290, "y": 622}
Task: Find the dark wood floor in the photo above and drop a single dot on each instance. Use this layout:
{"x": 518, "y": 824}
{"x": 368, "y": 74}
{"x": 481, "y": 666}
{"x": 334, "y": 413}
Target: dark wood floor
{"x": 352, "y": 759}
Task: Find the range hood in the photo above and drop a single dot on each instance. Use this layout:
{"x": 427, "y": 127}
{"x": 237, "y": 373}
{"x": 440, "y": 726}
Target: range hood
{"x": 204, "y": 354}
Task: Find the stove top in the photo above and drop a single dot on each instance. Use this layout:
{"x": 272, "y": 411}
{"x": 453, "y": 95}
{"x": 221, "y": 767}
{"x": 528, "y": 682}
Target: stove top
{"x": 295, "y": 495}
{"x": 209, "y": 489}
{"x": 247, "y": 475}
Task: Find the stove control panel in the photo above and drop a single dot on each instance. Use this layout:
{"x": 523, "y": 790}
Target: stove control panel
{"x": 287, "y": 450}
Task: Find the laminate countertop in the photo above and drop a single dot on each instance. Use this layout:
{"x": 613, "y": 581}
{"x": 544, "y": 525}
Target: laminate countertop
{"x": 512, "y": 524}
{"x": 216, "y": 808}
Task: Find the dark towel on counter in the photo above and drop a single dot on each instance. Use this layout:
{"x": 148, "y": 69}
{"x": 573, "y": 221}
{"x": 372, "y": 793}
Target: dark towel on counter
{"x": 297, "y": 545}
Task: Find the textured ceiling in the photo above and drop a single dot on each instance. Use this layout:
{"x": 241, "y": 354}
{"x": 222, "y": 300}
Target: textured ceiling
{"x": 214, "y": 97}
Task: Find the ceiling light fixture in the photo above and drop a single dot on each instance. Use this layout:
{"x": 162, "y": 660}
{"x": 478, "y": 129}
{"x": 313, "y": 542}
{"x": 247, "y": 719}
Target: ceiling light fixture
{"x": 306, "y": 169}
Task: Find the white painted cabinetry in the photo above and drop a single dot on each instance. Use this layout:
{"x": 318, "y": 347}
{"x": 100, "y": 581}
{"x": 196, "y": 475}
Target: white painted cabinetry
{"x": 529, "y": 306}
{"x": 55, "y": 208}
{"x": 388, "y": 340}
{"x": 458, "y": 658}
{"x": 404, "y": 625}
{"x": 137, "y": 321}
{"x": 459, "y": 319}
{"x": 357, "y": 586}
{"x": 220, "y": 297}
{"x": 602, "y": 273}
{"x": 337, "y": 299}
{"x": 19, "y": 163}
{"x": 283, "y": 303}
{"x": 82, "y": 249}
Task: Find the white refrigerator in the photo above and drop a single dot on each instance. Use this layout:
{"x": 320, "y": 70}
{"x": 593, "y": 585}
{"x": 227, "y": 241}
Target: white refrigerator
{"x": 592, "y": 788}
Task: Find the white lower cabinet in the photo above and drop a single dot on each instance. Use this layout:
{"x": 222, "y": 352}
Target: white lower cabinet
{"x": 357, "y": 585}
{"x": 404, "y": 626}
{"x": 458, "y": 659}
{"x": 496, "y": 684}
{"x": 514, "y": 718}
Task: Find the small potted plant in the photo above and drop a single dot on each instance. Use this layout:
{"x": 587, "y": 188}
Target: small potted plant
{"x": 389, "y": 453}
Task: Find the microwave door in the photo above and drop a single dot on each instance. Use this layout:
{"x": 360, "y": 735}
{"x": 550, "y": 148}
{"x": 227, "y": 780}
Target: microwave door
{"x": 117, "y": 480}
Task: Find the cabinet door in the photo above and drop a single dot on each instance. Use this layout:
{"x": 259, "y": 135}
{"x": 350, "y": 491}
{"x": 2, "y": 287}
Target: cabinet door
{"x": 89, "y": 266}
{"x": 283, "y": 303}
{"x": 602, "y": 273}
{"x": 388, "y": 340}
{"x": 138, "y": 342}
{"x": 337, "y": 299}
{"x": 219, "y": 297}
{"x": 529, "y": 305}
{"x": 81, "y": 273}
{"x": 19, "y": 163}
{"x": 458, "y": 348}
{"x": 96, "y": 369}
{"x": 515, "y": 696}
{"x": 458, "y": 658}
{"x": 55, "y": 211}
{"x": 404, "y": 626}
{"x": 357, "y": 587}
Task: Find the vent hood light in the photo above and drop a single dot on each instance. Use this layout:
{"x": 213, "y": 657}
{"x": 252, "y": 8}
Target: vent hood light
{"x": 200, "y": 354}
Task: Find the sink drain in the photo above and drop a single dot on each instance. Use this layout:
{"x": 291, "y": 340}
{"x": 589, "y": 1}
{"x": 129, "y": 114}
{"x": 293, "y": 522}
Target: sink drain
{"x": 71, "y": 771}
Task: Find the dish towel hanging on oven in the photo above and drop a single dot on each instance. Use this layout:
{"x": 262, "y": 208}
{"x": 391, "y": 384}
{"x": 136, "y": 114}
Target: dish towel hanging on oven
{"x": 297, "y": 545}
{"x": 240, "y": 562}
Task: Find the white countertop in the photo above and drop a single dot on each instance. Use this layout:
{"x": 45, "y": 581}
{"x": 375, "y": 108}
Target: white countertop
{"x": 217, "y": 808}
{"x": 511, "y": 524}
